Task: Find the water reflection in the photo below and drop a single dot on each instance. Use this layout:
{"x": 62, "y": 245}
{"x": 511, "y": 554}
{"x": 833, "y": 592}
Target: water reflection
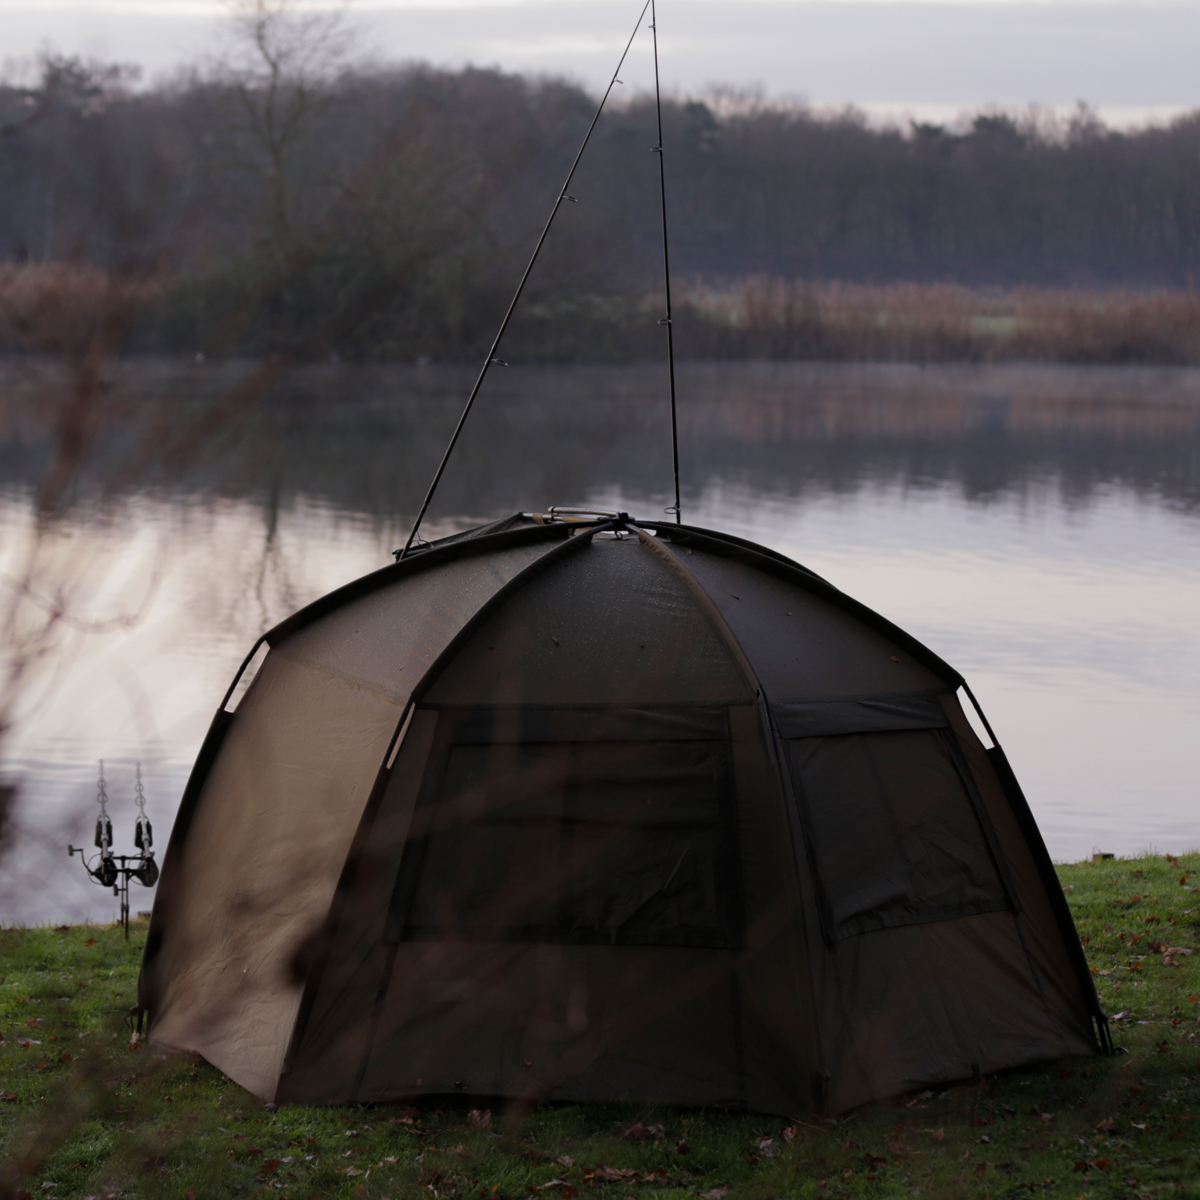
{"x": 1037, "y": 527}
{"x": 363, "y": 439}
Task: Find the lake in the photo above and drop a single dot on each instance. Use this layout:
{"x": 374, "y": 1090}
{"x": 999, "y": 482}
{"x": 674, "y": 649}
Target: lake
{"x": 1038, "y": 527}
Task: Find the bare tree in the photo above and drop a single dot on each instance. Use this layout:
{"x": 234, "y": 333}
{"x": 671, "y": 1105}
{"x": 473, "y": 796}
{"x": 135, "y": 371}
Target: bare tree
{"x": 285, "y": 63}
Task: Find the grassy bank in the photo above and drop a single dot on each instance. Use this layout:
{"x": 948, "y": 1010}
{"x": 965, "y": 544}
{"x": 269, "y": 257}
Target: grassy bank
{"x": 85, "y": 1112}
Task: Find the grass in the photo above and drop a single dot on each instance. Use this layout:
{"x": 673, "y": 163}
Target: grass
{"x": 87, "y": 1114}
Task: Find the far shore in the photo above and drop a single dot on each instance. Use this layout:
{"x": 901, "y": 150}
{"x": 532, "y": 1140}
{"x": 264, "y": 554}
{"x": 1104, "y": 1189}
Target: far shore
{"x": 76, "y": 312}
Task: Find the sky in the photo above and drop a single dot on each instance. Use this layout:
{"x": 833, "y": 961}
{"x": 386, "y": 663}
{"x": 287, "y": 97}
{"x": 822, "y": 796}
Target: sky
{"x": 1133, "y": 60}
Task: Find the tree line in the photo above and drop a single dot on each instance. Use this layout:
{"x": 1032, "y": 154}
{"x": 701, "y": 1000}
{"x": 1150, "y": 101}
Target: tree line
{"x": 287, "y": 205}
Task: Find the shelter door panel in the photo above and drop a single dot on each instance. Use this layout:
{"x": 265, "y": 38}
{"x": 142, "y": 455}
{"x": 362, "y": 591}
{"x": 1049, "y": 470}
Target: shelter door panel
{"x": 895, "y": 833}
{"x": 596, "y": 826}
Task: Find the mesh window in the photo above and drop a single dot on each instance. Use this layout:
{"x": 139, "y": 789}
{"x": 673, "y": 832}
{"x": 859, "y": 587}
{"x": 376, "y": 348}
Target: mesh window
{"x": 608, "y": 842}
{"x": 895, "y": 836}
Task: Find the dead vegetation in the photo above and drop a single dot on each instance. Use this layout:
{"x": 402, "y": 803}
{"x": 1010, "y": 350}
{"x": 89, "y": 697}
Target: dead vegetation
{"x": 76, "y": 312}
{"x": 769, "y": 318}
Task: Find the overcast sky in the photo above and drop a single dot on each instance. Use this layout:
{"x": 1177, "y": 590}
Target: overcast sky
{"x": 1131, "y": 60}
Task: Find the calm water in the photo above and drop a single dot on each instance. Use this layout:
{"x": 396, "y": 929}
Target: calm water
{"x": 1039, "y": 528}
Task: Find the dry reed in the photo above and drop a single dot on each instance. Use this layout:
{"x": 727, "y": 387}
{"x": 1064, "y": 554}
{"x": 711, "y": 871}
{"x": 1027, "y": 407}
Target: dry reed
{"x": 62, "y": 308}
{"x": 763, "y": 317}
{"x": 65, "y": 309}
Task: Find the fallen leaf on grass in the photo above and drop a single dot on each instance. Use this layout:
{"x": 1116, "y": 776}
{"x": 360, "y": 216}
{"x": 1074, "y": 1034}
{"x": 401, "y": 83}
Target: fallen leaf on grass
{"x": 348, "y": 1170}
{"x": 768, "y": 1147}
{"x": 383, "y": 1162}
{"x": 637, "y": 1132}
{"x": 553, "y": 1183}
{"x": 1105, "y": 1126}
{"x": 479, "y": 1118}
{"x": 717, "y": 1193}
{"x": 610, "y": 1174}
{"x": 565, "y": 1161}
{"x": 937, "y": 1134}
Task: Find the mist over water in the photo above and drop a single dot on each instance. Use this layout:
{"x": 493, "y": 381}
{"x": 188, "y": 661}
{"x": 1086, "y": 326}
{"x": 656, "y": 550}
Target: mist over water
{"x": 1037, "y": 527}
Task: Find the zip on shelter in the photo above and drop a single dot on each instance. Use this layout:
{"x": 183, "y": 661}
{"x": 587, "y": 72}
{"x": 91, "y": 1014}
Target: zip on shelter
{"x": 597, "y": 809}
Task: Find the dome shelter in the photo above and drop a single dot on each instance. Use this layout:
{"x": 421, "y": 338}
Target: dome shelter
{"x": 581, "y": 807}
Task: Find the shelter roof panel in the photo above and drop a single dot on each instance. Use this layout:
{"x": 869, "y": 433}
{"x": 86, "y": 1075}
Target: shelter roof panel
{"x": 801, "y": 646}
{"x": 389, "y": 637}
{"x": 609, "y": 625}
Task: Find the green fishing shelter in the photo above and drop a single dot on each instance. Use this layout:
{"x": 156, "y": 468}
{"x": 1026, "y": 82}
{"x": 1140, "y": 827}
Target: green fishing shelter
{"x": 589, "y": 808}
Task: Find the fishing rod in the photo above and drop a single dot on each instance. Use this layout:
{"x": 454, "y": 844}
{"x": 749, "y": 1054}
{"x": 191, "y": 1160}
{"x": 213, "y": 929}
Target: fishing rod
{"x": 563, "y": 195}
{"x": 662, "y": 194}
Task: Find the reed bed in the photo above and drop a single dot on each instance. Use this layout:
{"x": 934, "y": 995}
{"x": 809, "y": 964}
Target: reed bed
{"x": 776, "y": 319}
{"x": 67, "y": 309}
{"x": 64, "y": 309}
